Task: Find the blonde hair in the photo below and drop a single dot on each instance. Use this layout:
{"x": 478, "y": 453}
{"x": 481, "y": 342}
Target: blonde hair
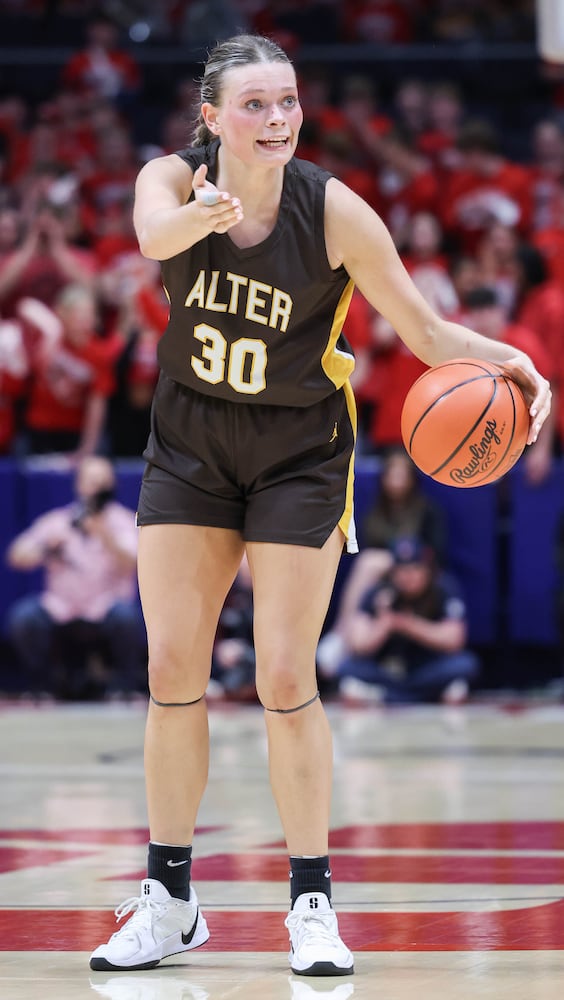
{"x": 242, "y": 50}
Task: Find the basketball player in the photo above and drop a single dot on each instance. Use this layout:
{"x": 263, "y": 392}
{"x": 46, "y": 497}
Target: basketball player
{"x": 251, "y": 448}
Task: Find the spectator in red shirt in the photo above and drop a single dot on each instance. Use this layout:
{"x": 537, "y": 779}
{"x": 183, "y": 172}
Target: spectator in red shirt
{"x": 132, "y": 287}
{"x": 71, "y": 374}
{"x": 43, "y": 262}
{"x": 487, "y": 188}
{"x": 112, "y": 179}
{"x": 438, "y": 140}
{"x": 540, "y": 307}
{"x": 337, "y": 154}
{"x": 495, "y": 257}
{"x": 550, "y": 241}
{"x": 546, "y": 171}
{"x": 359, "y": 115}
{"x": 102, "y": 68}
{"x": 483, "y": 312}
{"x": 13, "y": 375}
{"x": 406, "y": 181}
{"x": 380, "y": 21}
{"x": 427, "y": 265}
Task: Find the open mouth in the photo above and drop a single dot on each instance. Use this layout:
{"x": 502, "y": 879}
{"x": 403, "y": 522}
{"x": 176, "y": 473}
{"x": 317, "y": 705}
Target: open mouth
{"x": 280, "y": 143}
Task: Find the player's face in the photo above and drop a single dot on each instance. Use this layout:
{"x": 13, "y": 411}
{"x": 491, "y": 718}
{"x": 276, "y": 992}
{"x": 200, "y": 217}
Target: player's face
{"x": 260, "y": 115}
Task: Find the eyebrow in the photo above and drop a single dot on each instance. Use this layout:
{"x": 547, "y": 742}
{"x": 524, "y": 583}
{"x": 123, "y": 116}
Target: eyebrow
{"x": 263, "y": 90}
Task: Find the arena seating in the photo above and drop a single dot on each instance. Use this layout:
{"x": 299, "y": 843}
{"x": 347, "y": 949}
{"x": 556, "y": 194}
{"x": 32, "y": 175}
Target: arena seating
{"x": 503, "y": 556}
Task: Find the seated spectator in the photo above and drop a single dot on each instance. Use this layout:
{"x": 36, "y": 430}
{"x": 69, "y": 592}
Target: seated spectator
{"x": 394, "y": 369}
{"x": 408, "y": 636}
{"x": 336, "y": 154}
{"x": 483, "y": 311}
{"x": 382, "y": 22}
{"x": 546, "y": 171}
{"x": 71, "y": 374}
{"x": 400, "y": 508}
{"x": 233, "y": 661}
{"x": 102, "y": 68}
{"x": 359, "y": 113}
{"x": 540, "y": 307}
{"x": 446, "y": 112}
{"x": 131, "y": 285}
{"x": 486, "y": 188}
{"x": 495, "y": 257}
{"x": 111, "y": 181}
{"x": 406, "y": 180}
{"x": 88, "y": 553}
{"x": 43, "y": 261}
{"x": 13, "y": 376}
{"x": 428, "y": 265}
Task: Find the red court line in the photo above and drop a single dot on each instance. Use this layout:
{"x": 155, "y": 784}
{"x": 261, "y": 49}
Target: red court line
{"x": 421, "y": 868}
{"x": 530, "y": 929}
{"x": 515, "y": 835}
{"x": 16, "y": 858}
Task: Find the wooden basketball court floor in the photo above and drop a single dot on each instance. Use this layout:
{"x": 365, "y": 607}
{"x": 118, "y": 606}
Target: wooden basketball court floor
{"x": 447, "y": 851}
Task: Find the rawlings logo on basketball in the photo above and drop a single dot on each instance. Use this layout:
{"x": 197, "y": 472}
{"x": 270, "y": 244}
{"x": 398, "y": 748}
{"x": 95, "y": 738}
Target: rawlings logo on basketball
{"x": 465, "y": 422}
{"x": 482, "y": 454}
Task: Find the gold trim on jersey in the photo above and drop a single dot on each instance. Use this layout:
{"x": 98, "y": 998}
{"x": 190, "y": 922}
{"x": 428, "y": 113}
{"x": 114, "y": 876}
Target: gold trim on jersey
{"x": 338, "y": 365}
{"x": 346, "y": 522}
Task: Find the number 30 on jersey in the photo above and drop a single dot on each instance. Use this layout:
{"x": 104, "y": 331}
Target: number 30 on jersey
{"x": 242, "y": 365}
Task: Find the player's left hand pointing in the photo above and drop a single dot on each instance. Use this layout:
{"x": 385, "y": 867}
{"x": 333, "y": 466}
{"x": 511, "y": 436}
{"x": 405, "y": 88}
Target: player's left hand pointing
{"x": 220, "y": 209}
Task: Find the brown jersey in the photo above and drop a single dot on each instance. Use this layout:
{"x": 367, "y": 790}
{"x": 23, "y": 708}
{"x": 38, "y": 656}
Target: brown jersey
{"x": 261, "y": 324}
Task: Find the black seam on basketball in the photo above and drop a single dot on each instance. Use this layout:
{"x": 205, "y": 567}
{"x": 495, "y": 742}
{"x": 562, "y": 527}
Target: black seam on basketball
{"x": 512, "y": 435}
{"x": 470, "y": 432}
{"x": 446, "y": 393}
{"x": 483, "y": 480}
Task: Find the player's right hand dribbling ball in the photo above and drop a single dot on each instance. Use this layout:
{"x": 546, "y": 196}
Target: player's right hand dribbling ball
{"x": 465, "y": 422}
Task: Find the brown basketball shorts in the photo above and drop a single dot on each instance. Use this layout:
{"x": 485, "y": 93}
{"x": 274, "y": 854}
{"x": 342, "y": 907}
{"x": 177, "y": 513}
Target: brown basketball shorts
{"x": 275, "y": 473}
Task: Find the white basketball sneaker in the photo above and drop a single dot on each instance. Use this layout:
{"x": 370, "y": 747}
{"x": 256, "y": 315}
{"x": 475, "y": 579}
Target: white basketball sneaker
{"x": 315, "y": 946}
{"x": 161, "y": 925}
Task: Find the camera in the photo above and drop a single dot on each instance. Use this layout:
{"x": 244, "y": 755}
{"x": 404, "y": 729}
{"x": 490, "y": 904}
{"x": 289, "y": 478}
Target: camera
{"x": 91, "y": 505}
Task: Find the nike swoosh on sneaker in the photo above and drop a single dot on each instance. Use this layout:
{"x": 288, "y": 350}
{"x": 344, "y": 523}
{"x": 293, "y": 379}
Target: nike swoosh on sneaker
{"x": 186, "y": 938}
{"x": 175, "y": 864}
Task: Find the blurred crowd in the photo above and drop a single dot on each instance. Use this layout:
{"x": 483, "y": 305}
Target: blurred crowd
{"x": 81, "y": 311}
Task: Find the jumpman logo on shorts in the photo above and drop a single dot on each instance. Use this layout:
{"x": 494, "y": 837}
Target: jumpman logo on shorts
{"x": 335, "y": 434}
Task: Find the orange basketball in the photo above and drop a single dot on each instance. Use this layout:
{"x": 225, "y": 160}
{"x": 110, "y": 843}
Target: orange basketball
{"x": 465, "y": 422}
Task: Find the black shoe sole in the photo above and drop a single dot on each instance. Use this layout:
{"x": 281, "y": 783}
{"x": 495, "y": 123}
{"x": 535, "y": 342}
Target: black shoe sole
{"x": 324, "y": 969}
{"x": 102, "y": 965}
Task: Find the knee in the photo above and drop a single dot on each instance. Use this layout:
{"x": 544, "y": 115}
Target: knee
{"x": 282, "y": 686}
{"x": 170, "y": 678}
{"x": 26, "y": 616}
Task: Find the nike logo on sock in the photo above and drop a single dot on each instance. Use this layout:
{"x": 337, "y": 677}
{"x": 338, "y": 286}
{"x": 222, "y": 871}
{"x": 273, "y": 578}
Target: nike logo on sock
{"x": 186, "y": 938}
{"x": 175, "y": 864}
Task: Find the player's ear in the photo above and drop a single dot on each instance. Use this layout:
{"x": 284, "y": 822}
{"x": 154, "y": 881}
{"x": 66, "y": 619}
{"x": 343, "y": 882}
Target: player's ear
{"x": 209, "y": 114}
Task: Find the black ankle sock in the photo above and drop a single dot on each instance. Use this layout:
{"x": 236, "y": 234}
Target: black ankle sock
{"x": 309, "y": 875}
{"x": 171, "y": 866}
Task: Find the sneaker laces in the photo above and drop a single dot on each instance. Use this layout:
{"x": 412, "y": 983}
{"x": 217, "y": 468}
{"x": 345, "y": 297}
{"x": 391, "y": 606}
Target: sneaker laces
{"x": 318, "y": 925}
{"x": 142, "y": 908}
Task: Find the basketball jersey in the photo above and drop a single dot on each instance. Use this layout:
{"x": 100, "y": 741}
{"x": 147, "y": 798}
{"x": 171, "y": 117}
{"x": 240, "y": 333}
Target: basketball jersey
{"x": 264, "y": 323}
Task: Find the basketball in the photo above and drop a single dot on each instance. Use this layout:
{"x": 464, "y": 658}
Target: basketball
{"x": 465, "y": 422}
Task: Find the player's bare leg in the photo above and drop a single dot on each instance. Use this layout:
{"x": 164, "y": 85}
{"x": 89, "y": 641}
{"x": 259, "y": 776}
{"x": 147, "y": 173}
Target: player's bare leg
{"x": 194, "y": 567}
{"x": 185, "y": 573}
{"x": 292, "y": 586}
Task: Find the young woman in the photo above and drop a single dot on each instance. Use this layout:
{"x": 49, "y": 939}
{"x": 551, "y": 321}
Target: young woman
{"x": 251, "y": 448}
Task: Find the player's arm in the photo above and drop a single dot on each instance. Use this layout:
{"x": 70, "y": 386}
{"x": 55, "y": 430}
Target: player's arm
{"x": 164, "y": 222}
{"x": 357, "y": 238}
